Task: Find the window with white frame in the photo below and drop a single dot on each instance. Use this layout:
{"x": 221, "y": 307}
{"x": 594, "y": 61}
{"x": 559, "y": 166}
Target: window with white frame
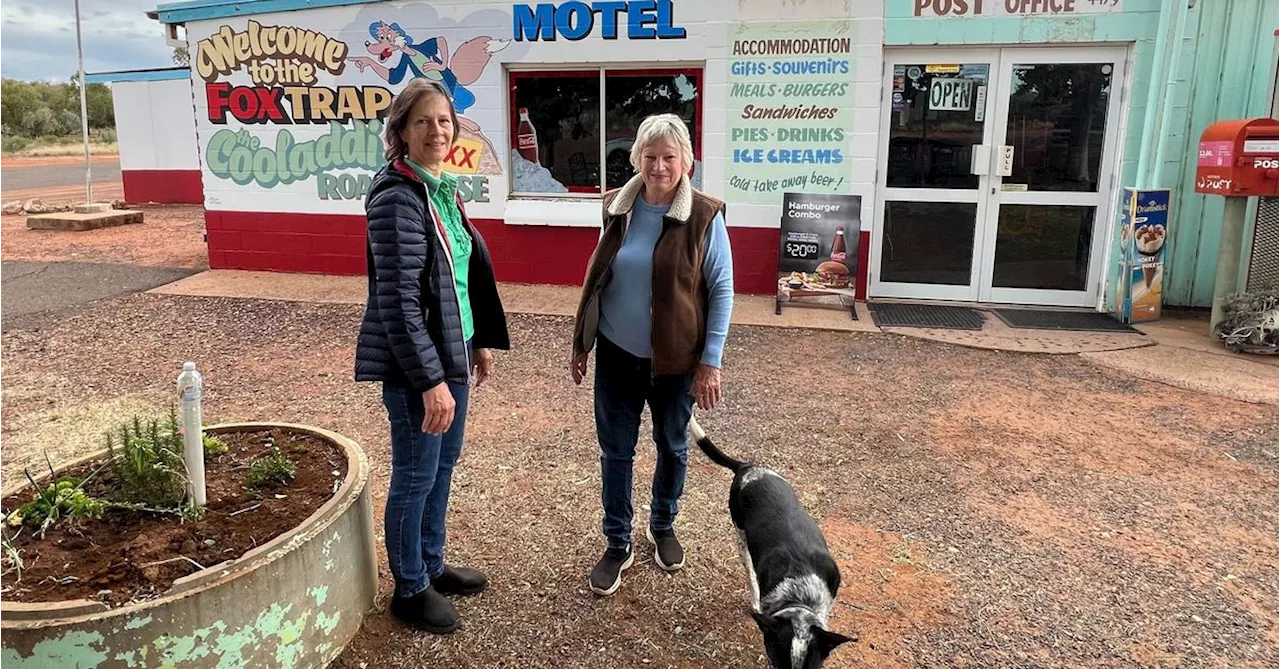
{"x": 572, "y": 130}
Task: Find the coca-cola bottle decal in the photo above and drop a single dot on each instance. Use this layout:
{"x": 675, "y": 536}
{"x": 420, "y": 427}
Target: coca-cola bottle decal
{"x": 527, "y": 138}
{"x": 838, "y": 253}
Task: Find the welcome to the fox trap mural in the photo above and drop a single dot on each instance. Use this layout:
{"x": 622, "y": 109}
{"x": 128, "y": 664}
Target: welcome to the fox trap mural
{"x": 297, "y": 109}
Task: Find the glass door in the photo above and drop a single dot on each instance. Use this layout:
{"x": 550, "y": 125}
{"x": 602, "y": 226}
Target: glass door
{"x": 1052, "y": 175}
{"x": 997, "y": 174}
{"x": 935, "y": 136}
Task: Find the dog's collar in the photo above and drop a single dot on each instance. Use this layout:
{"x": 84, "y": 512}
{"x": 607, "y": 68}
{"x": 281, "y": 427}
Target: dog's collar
{"x": 797, "y": 608}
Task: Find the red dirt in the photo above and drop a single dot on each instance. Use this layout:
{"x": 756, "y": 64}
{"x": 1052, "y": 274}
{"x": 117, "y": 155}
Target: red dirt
{"x": 959, "y": 491}
{"x": 34, "y": 161}
{"x": 169, "y": 236}
{"x": 123, "y": 556}
{"x": 887, "y": 592}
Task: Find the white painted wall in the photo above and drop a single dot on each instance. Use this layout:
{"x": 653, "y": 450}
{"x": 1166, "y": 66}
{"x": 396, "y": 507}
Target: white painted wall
{"x": 154, "y": 125}
{"x": 709, "y": 24}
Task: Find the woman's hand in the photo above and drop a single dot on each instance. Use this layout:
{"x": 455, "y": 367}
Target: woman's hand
{"x": 439, "y": 406}
{"x": 706, "y": 386}
{"x": 579, "y": 367}
{"x": 482, "y": 365}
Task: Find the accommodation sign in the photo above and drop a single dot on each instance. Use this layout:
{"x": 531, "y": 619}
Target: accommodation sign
{"x": 937, "y": 8}
{"x": 790, "y": 109}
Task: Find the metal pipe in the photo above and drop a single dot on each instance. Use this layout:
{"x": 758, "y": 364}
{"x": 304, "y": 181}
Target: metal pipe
{"x": 1166, "y": 112}
{"x": 84, "y": 114}
{"x": 1227, "y": 280}
{"x": 1154, "y": 97}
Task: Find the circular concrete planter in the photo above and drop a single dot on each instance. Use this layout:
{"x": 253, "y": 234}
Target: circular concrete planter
{"x": 295, "y": 601}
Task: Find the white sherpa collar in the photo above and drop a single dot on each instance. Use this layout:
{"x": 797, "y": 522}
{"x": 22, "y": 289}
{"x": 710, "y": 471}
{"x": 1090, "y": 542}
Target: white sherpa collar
{"x": 681, "y": 207}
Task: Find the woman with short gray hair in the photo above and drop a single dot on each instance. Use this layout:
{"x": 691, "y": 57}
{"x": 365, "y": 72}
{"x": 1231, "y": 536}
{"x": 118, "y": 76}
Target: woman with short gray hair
{"x": 657, "y": 299}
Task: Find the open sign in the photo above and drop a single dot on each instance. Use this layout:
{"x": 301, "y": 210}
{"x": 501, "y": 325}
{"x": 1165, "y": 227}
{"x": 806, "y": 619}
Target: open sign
{"x": 950, "y": 94}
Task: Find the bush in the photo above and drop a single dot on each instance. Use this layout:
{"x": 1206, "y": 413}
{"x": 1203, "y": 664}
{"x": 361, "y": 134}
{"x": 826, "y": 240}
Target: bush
{"x": 148, "y": 462}
{"x": 270, "y": 471}
{"x": 62, "y": 499}
{"x": 214, "y": 446}
{"x": 42, "y": 121}
{"x": 70, "y": 121}
{"x": 107, "y": 135}
{"x": 12, "y": 143}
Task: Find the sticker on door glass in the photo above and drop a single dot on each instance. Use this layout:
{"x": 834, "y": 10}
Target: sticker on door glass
{"x": 950, "y": 94}
{"x": 1106, "y": 69}
{"x": 1013, "y": 188}
{"x": 913, "y": 72}
{"x": 980, "y": 104}
{"x": 941, "y": 69}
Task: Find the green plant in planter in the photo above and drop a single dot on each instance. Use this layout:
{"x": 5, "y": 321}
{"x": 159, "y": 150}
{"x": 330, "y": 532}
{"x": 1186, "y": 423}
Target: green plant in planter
{"x": 62, "y": 499}
{"x": 12, "y": 556}
{"x": 271, "y": 470}
{"x": 214, "y": 446}
{"x": 146, "y": 463}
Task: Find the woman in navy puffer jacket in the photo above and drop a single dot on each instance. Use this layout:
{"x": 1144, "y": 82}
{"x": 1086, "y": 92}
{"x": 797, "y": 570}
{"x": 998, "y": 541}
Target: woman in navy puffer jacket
{"x": 432, "y": 319}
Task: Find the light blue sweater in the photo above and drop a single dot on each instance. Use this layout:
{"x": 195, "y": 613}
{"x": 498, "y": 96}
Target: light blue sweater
{"x": 625, "y": 302}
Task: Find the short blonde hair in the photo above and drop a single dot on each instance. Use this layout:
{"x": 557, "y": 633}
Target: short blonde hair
{"x": 662, "y": 126}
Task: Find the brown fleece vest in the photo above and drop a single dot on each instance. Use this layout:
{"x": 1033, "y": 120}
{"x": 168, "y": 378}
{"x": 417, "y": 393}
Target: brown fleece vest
{"x": 678, "y": 312}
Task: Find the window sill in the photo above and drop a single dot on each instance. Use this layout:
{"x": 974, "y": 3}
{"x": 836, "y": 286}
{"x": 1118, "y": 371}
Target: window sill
{"x": 572, "y": 213}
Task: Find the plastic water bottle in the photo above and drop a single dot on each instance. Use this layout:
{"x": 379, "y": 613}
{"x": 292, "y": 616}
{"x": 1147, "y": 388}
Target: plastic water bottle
{"x": 190, "y": 389}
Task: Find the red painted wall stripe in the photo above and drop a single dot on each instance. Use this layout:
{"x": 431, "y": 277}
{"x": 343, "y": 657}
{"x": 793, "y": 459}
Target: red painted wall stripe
{"x": 335, "y": 244}
{"x": 164, "y": 186}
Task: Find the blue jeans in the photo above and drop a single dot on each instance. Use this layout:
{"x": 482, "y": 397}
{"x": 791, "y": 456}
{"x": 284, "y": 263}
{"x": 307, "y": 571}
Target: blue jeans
{"x": 623, "y": 384}
{"x": 421, "y": 471}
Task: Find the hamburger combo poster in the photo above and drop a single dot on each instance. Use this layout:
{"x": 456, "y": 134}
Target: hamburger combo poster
{"x": 818, "y": 255}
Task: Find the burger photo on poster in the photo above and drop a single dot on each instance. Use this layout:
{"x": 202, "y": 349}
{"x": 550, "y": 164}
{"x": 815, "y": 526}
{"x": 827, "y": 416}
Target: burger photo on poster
{"x": 833, "y": 274}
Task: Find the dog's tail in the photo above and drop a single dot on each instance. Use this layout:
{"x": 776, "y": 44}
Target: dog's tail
{"x": 717, "y": 456}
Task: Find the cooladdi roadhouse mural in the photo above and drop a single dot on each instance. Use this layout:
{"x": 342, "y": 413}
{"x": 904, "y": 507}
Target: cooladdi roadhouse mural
{"x": 289, "y": 115}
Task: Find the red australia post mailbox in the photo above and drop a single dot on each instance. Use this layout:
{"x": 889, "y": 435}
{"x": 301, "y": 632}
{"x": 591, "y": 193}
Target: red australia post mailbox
{"x": 1239, "y": 158}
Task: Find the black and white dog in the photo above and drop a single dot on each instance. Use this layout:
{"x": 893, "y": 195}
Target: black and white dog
{"x": 787, "y": 560}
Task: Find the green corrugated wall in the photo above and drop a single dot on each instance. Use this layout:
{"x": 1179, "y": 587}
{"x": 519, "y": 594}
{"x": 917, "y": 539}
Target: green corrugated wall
{"x": 1228, "y": 64}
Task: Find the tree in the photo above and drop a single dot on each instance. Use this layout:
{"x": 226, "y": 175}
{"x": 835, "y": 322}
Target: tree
{"x": 41, "y": 122}
{"x": 69, "y": 120}
{"x": 102, "y": 113}
{"x": 17, "y": 99}
{"x": 181, "y": 56}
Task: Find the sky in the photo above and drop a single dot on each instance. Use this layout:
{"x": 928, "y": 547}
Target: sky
{"x": 38, "y": 38}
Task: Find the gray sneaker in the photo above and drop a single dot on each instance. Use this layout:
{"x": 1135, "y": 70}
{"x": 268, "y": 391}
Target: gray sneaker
{"x": 607, "y": 574}
{"x": 667, "y": 551}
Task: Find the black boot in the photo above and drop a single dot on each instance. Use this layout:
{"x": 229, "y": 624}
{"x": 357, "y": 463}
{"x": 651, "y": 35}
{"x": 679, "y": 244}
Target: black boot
{"x": 428, "y": 611}
{"x": 460, "y": 581}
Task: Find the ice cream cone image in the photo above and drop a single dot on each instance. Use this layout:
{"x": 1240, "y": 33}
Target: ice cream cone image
{"x": 1149, "y": 240}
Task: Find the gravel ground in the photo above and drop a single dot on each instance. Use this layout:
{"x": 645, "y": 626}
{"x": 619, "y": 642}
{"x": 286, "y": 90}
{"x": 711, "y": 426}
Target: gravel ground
{"x": 170, "y": 235}
{"x": 986, "y": 509}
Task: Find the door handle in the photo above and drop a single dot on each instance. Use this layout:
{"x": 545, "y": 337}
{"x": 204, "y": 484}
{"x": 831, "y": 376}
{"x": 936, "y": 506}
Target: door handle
{"x": 1004, "y": 160}
{"x": 980, "y": 159}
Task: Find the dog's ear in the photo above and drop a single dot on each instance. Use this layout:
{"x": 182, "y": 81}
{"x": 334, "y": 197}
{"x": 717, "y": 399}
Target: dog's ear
{"x": 767, "y": 624}
{"x": 828, "y": 640}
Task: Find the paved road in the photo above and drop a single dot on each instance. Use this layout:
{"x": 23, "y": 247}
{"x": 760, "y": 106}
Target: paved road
{"x": 34, "y": 292}
{"x": 48, "y": 176}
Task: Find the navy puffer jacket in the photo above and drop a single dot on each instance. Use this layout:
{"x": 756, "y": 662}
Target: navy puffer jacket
{"x": 411, "y": 335}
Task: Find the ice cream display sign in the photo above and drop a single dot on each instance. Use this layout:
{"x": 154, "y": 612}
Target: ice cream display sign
{"x": 1144, "y": 227}
{"x": 818, "y": 252}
